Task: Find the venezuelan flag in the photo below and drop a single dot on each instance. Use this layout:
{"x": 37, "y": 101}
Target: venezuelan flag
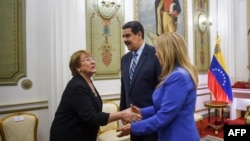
{"x": 218, "y": 79}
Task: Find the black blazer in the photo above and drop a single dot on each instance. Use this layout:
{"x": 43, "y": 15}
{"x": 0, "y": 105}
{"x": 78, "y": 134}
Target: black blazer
{"x": 145, "y": 79}
{"x": 79, "y": 114}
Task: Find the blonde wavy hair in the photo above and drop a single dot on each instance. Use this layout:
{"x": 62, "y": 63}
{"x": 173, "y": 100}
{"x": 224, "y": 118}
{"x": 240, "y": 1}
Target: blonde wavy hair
{"x": 172, "y": 50}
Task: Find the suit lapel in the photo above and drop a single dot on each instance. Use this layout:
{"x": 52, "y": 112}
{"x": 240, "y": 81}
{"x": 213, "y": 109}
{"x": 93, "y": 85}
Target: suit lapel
{"x": 127, "y": 68}
{"x": 140, "y": 62}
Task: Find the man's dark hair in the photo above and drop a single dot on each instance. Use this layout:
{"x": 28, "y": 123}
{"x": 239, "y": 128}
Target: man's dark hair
{"x": 135, "y": 27}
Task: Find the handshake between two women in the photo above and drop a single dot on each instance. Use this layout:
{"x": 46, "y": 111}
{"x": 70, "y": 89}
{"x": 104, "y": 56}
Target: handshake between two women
{"x": 133, "y": 115}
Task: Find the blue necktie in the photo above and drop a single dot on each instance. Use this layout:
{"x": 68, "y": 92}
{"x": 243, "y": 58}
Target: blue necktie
{"x": 132, "y": 68}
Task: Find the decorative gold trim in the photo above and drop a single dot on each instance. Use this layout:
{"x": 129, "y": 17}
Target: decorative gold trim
{"x": 24, "y": 104}
{"x": 24, "y": 109}
{"x": 26, "y": 84}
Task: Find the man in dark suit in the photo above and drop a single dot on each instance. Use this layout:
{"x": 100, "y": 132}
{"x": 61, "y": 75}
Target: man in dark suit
{"x": 138, "y": 89}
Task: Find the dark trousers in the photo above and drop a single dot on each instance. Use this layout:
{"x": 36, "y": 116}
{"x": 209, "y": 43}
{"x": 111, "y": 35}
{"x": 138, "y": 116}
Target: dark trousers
{"x": 150, "y": 137}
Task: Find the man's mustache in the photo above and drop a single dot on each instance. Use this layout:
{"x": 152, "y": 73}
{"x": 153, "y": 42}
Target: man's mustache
{"x": 127, "y": 42}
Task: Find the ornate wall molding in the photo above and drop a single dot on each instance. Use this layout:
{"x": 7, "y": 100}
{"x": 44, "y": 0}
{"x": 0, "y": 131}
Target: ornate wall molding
{"x": 12, "y": 41}
{"x": 104, "y": 21}
{"x": 201, "y": 36}
{"x": 20, "y": 107}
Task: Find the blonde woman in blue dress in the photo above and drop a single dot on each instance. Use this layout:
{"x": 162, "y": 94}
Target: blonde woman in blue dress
{"x": 174, "y": 99}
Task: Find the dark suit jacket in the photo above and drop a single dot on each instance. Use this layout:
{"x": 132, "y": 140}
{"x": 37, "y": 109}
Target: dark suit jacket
{"x": 144, "y": 81}
{"x": 79, "y": 114}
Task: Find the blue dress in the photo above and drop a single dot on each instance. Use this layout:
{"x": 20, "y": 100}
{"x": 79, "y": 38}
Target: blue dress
{"x": 172, "y": 114}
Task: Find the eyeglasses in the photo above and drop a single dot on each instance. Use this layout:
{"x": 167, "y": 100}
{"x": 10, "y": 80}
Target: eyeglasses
{"x": 88, "y": 59}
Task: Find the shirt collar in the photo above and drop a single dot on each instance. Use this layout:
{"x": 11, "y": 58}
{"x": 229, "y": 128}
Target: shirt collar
{"x": 139, "y": 51}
